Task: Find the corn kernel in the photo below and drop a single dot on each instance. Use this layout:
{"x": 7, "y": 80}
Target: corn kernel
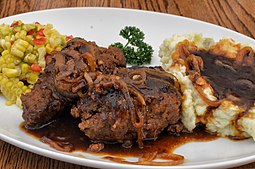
{"x": 10, "y": 72}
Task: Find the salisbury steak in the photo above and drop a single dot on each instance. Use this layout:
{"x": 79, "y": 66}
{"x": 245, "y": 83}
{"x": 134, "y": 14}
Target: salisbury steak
{"x": 43, "y": 104}
{"x": 132, "y": 103}
{"x": 64, "y": 79}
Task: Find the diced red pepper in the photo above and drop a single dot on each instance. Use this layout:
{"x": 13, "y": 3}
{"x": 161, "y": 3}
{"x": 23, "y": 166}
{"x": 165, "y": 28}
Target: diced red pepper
{"x": 31, "y": 32}
{"x": 40, "y": 41}
{"x": 40, "y": 32}
{"x": 11, "y": 41}
{"x": 69, "y": 37}
{"x": 15, "y": 24}
{"x": 36, "y": 68}
{"x": 37, "y": 23}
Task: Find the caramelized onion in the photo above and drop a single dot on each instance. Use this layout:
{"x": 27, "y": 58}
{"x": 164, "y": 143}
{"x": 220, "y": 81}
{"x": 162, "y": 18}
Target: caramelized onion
{"x": 124, "y": 90}
{"x": 140, "y": 73}
{"x": 172, "y": 159}
{"x": 75, "y": 40}
{"x": 163, "y": 73}
{"x": 73, "y": 80}
{"x": 205, "y": 99}
{"x": 89, "y": 80}
{"x": 137, "y": 94}
{"x": 60, "y": 60}
{"x": 76, "y": 87}
{"x": 194, "y": 63}
{"x": 63, "y": 85}
{"x": 245, "y": 55}
{"x": 64, "y": 90}
{"x": 91, "y": 60}
{"x": 62, "y": 75}
{"x": 80, "y": 94}
{"x": 148, "y": 159}
{"x": 58, "y": 145}
{"x": 65, "y": 70}
{"x": 134, "y": 114}
{"x": 140, "y": 137}
{"x": 141, "y": 120}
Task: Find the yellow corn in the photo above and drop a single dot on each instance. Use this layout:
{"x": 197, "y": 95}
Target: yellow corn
{"x": 10, "y": 72}
{"x": 18, "y": 53}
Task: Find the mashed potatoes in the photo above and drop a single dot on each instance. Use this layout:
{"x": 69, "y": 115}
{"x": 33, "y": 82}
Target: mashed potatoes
{"x": 226, "y": 118}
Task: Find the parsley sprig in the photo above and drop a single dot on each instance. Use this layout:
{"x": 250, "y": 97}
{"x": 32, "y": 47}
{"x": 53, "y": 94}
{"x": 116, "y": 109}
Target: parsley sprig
{"x": 136, "y": 51}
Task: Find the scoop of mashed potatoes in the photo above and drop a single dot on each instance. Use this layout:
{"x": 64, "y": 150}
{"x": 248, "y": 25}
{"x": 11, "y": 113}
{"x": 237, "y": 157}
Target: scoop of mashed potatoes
{"x": 199, "y": 103}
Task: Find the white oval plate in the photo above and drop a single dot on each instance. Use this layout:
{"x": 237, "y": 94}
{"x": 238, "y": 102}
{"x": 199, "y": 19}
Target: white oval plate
{"x": 103, "y": 25}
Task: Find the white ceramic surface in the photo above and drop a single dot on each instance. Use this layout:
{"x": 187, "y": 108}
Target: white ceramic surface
{"x": 103, "y": 25}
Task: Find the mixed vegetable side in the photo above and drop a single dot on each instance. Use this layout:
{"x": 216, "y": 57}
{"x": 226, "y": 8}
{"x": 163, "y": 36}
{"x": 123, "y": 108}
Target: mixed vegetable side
{"x": 25, "y": 49}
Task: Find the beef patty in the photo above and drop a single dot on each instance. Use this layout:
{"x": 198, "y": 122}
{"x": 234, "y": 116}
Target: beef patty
{"x": 63, "y": 80}
{"x": 130, "y": 104}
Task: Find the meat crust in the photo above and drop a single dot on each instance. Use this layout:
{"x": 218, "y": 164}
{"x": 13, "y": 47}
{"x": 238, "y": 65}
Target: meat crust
{"x": 133, "y": 103}
{"x": 63, "y": 80}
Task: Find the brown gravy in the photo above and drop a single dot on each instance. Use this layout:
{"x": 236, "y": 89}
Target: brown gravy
{"x": 65, "y": 131}
{"x": 229, "y": 77}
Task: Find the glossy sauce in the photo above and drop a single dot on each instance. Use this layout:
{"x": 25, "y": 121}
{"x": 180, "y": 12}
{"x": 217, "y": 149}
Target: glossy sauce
{"x": 230, "y": 78}
{"x": 65, "y": 132}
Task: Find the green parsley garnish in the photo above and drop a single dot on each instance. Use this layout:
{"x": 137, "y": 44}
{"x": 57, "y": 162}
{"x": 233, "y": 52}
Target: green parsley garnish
{"x": 136, "y": 51}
